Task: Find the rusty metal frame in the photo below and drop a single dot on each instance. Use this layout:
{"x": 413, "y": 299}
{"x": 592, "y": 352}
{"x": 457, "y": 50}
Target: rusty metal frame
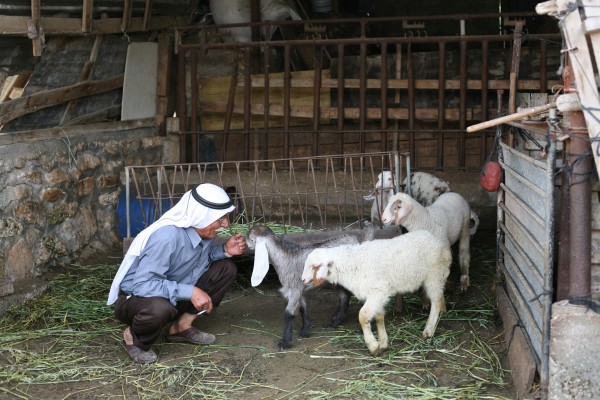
{"x": 386, "y": 130}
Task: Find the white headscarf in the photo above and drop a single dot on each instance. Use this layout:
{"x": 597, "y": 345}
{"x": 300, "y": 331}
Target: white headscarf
{"x": 197, "y": 208}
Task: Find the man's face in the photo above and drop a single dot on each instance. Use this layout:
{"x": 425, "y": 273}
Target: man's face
{"x": 210, "y": 232}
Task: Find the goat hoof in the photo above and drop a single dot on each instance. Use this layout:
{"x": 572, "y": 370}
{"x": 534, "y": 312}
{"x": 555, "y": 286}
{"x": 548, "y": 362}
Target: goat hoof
{"x": 283, "y": 345}
{"x": 304, "y": 334}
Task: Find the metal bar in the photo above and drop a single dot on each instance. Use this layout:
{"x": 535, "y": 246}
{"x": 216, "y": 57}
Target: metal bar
{"x": 384, "y": 98}
{"x": 548, "y": 294}
{"x": 287, "y": 77}
{"x": 580, "y": 185}
{"x": 127, "y": 201}
{"x": 230, "y": 104}
{"x": 340, "y": 99}
{"x": 543, "y": 71}
{"x": 193, "y": 104}
{"x": 316, "y": 99}
{"x": 484, "y": 99}
{"x": 462, "y": 114}
{"x": 266, "y": 102}
{"x": 411, "y": 105}
{"x": 441, "y": 103}
{"x": 362, "y": 95}
{"x": 247, "y": 100}
{"x": 181, "y": 102}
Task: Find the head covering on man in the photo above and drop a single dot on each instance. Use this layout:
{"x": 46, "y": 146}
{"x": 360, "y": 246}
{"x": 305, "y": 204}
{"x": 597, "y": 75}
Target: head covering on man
{"x": 197, "y": 208}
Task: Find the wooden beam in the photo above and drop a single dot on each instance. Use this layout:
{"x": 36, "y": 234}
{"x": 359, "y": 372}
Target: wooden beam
{"x": 147, "y": 14}
{"x": 33, "y": 28}
{"x": 277, "y": 110}
{"x": 582, "y": 62}
{"x": 17, "y": 26}
{"x": 86, "y": 71}
{"x": 48, "y": 98}
{"x": 9, "y": 138}
{"x": 127, "y": 10}
{"x": 86, "y": 15}
{"x": 420, "y": 84}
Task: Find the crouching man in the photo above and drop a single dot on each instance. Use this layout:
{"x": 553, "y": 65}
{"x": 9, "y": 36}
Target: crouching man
{"x": 173, "y": 272}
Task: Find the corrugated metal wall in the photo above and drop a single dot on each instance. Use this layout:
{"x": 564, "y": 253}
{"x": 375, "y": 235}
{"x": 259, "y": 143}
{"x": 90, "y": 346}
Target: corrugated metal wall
{"x": 526, "y": 243}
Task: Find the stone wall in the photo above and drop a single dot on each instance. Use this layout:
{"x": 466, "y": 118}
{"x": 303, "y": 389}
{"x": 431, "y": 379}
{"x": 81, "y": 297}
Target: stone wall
{"x": 58, "y": 197}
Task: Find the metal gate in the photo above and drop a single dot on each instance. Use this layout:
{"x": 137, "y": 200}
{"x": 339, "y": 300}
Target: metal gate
{"x": 526, "y": 245}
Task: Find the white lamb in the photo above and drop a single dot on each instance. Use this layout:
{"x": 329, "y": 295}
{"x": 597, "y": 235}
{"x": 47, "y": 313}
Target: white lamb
{"x": 426, "y": 188}
{"x": 447, "y": 218}
{"x": 384, "y": 189}
{"x": 374, "y": 271}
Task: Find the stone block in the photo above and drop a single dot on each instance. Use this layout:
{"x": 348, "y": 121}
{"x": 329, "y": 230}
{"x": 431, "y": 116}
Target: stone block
{"x": 574, "y": 353}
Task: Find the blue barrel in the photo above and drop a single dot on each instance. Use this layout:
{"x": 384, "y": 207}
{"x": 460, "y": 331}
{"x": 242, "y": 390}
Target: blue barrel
{"x": 142, "y": 212}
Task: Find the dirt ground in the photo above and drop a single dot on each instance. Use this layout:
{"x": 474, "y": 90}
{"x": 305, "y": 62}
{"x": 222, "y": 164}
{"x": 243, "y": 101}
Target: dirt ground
{"x": 465, "y": 360}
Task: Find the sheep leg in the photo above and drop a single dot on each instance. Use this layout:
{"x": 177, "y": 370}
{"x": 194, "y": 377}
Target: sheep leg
{"x": 435, "y": 292}
{"x": 381, "y": 332}
{"x": 464, "y": 257}
{"x": 342, "y": 306}
{"x": 305, "y": 329}
{"x": 365, "y": 315}
{"x": 399, "y": 304}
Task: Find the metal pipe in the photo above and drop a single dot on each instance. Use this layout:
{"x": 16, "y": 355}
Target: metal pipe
{"x": 384, "y": 96}
{"x": 247, "y": 100}
{"x": 441, "y": 103}
{"x": 362, "y": 95}
{"x": 580, "y": 164}
{"x": 484, "y": 99}
{"x": 287, "y": 89}
{"x": 194, "y": 101}
{"x": 317, "y": 99}
{"x": 462, "y": 114}
{"x": 367, "y": 41}
{"x": 410, "y": 76}
{"x": 340, "y": 100}
{"x": 181, "y": 100}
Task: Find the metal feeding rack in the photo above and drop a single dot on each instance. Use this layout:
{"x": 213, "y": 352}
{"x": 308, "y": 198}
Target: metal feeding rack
{"x": 324, "y": 192}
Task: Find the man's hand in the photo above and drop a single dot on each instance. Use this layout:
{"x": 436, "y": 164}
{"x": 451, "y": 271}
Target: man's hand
{"x": 235, "y": 245}
{"x": 201, "y": 300}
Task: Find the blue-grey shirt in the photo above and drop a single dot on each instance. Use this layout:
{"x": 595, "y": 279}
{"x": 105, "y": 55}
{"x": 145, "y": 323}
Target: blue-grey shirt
{"x": 170, "y": 264}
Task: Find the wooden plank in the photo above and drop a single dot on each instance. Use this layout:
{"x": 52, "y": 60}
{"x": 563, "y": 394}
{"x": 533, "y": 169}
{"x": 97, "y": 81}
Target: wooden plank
{"x": 127, "y": 10}
{"x": 9, "y": 138}
{"x": 17, "y": 25}
{"x": 147, "y": 14}
{"x": 165, "y": 53}
{"x": 33, "y": 29}
{"x": 86, "y": 15}
{"x": 520, "y": 358}
{"x": 48, "y": 98}
{"x": 86, "y": 71}
{"x": 581, "y": 62}
{"x": 306, "y": 112}
{"x": 213, "y": 92}
{"x": 421, "y": 84}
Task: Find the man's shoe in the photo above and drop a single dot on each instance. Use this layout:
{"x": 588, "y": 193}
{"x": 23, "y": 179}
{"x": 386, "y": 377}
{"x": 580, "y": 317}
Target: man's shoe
{"x": 191, "y": 335}
{"x": 138, "y": 355}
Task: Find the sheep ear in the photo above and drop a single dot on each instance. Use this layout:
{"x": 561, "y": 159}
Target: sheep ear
{"x": 370, "y": 196}
{"x": 402, "y": 209}
{"x": 321, "y": 274}
{"x": 261, "y": 262}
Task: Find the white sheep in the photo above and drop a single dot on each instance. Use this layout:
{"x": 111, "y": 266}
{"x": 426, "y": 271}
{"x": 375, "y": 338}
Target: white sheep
{"x": 376, "y": 270}
{"x": 447, "y": 218}
{"x": 384, "y": 189}
{"x": 287, "y": 259}
{"x": 426, "y": 188}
